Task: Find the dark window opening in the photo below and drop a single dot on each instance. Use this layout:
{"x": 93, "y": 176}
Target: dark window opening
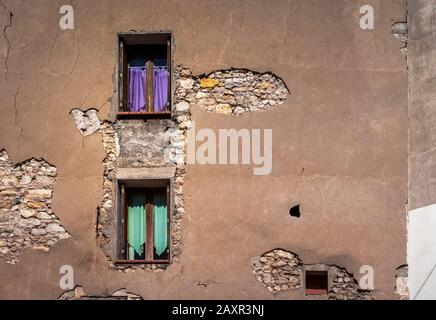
{"x": 316, "y": 282}
{"x": 145, "y": 74}
{"x": 295, "y": 211}
{"x": 144, "y": 223}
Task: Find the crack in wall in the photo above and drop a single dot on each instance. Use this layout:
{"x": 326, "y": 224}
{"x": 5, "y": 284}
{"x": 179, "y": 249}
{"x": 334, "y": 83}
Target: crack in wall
{"x": 15, "y": 104}
{"x": 8, "y": 44}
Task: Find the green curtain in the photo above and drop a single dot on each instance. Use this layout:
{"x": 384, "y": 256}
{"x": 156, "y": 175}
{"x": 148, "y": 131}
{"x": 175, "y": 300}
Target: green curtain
{"x": 136, "y": 227}
{"x": 160, "y": 224}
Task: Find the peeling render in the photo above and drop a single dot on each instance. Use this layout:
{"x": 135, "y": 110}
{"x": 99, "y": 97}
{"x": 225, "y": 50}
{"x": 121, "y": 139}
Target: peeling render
{"x": 86, "y": 121}
{"x": 401, "y": 32}
{"x": 26, "y": 218}
{"x": 78, "y": 293}
{"x": 161, "y": 143}
{"x": 280, "y": 270}
{"x": 345, "y": 127}
{"x": 138, "y": 144}
{"x": 401, "y": 287}
{"x": 111, "y": 149}
{"x": 162, "y": 140}
{"x": 230, "y": 92}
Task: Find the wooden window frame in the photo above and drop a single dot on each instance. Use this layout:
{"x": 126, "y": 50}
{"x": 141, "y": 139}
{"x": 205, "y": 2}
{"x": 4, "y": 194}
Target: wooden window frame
{"x": 123, "y": 80}
{"x": 316, "y": 291}
{"x": 149, "y": 212}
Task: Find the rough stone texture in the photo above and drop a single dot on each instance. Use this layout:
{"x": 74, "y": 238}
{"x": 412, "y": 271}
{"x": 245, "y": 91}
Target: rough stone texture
{"x": 401, "y": 32}
{"x": 78, "y": 293}
{"x": 230, "y": 92}
{"x": 104, "y": 225}
{"x": 26, "y": 217}
{"x": 401, "y": 287}
{"x": 141, "y": 144}
{"x": 280, "y": 271}
{"x": 345, "y": 287}
{"x": 87, "y": 122}
{"x": 144, "y": 143}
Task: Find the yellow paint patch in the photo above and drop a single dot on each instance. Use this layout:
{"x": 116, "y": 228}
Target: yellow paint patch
{"x": 208, "y": 83}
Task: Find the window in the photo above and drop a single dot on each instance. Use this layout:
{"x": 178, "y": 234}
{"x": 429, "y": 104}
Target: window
{"x": 144, "y": 74}
{"x": 316, "y": 282}
{"x": 144, "y": 222}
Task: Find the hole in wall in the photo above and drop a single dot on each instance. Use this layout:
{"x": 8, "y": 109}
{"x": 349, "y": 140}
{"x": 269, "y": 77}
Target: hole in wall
{"x": 295, "y": 211}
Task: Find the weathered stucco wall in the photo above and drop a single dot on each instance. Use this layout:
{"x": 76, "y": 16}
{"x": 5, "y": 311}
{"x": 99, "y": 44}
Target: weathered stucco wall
{"x": 421, "y": 249}
{"x": 339, "y": 140}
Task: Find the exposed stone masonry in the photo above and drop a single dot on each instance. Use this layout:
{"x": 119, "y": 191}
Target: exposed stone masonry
{"x": 78, "y": 293}
{"x": 345, "y": 287}
{"x": 133, "y": 143}
{"x": 26, "y": 218}
{"x": 401, "y": 287}
{"x": 149, "y": 144}
{"x": 280, "y": 271}
{"x": 86, "y": 121}
{"x": 231, "y": 92}
{"x": 401, "y": 32}
{"x": 111, "y": 148}
{"x": 136, "y": 143}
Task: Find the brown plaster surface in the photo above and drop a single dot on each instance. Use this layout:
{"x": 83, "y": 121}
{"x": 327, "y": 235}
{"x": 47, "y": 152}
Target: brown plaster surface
{"x": 344, "y": 123}
{"x": 421, "y": 107}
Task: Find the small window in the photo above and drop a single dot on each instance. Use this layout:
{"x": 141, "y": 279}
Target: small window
{"x": 144, "y": 74}
{"x": 144, "y": 223}
{"x": 316, "y": 282}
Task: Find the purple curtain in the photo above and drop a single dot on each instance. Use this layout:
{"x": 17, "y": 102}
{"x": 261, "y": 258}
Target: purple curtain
{"x": 161, "y": 76}
{"x": 137, "y": 89}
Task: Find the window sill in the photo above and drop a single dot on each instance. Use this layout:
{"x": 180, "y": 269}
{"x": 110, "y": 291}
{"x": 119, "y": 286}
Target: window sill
{"x": 145, "y": 114}
{"x": 142, "y": 262}
{"x": 316, "y": 292}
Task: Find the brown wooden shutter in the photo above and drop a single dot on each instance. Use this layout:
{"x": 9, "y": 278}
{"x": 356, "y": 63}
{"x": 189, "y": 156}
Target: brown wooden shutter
{"x": 150, "y": 86}
{"x": 123, "y": 216}
{"x": 169, "y": 72}
{"x": 122, "y": 76}
{"x": 150, "y": 226}
{"x": 169, "y": 219}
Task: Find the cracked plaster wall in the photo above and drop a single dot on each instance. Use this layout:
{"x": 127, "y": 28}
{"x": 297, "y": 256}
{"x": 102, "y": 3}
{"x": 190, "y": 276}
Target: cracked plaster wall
{"x": 339, "y": 140}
